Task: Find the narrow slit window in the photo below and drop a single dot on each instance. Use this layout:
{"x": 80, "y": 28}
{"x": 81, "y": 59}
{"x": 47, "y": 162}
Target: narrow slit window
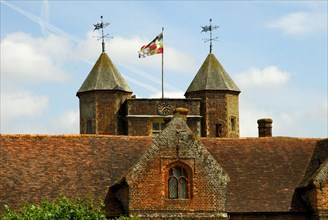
{"x": 218, "y": 130}
{"x": 89, "y": 127}
{"x": 233, "y": 123}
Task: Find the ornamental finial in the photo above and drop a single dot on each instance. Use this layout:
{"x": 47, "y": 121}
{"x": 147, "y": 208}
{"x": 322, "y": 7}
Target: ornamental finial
{"x": 210, "y": 28}
{"x": 101, "y": 26}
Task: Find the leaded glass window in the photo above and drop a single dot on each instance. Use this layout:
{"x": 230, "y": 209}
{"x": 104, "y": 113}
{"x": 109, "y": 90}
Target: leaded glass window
{"x": 157, "y": 126}
{"x": 178, "y": 183}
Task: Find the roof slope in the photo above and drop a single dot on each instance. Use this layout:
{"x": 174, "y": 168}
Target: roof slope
{"x": 264, "y": 172}
{"x": 104, "y": 76}
{"x": 317, "y": 171}
{"x": 34, "y": 167}
{"x": 212, "y": 76}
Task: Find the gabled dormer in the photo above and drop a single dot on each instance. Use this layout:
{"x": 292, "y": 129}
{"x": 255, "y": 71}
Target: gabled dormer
{"x": 176, "y": 173}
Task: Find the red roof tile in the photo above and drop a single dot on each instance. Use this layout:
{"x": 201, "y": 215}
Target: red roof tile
{"x": 264, "y": 172}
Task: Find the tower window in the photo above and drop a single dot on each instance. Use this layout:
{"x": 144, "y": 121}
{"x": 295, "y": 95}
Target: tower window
{"x": 233, "y": 123}
{"x": 218, "y": 130}
{"x": 177, "y": 183}
{"x": 89, "y": 127}
{"x": 157, "y": 127}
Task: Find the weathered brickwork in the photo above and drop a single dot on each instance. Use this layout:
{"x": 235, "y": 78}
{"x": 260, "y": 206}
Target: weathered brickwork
{"x": 270, "y": 216}
{"x": 150, "y": 106}
{"x": 217, "y": 109}
{"x": 148, "y": 180}
{"x": 141, "y": 113}
{"x": 105, "y": 109}
{"x": 233, "y": 113}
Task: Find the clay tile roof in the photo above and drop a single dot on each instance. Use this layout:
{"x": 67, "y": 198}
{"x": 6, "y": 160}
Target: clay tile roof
{"x": 317, "y": 171}
{"x": 104, "y": 76}
{"x": 212, "y": 76}
{"x": 264, "y": 172}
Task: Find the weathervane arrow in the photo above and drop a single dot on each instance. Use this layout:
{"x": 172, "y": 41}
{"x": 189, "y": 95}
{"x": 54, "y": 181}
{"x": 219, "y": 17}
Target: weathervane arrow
{"x": 101, "y": 26}
{"x": 209, "y": 28}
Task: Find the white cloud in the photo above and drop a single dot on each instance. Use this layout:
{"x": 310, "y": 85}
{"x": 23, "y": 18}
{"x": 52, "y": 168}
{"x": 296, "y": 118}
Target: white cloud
{"x": 124, "y": 51}
{"x": 301, "y": 121}
{"x": 308, "y": 121}
{"x": 28, "y": 59}
{"x": 269, "y": 77}
{"x": 22, "y": 104}
{"x": 301, "y": 23}
{"x": 67, "y": 122}
{"x": 169, "y": 94}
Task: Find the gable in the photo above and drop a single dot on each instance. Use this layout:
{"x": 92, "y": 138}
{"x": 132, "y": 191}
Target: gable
{"x": 177, "y": 146}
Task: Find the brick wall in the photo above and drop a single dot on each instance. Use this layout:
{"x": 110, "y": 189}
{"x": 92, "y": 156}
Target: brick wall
{"x": 141, "y": 112}
{"x": 270, "y": 216}
{"x": 150, "y": 106}
{"x": 217, "y": 108}
{"x": 233, "y": 111}
{"x": 322, "y": 202}
{"x": 148, "y": 180}
{"x": 105, "y": 109}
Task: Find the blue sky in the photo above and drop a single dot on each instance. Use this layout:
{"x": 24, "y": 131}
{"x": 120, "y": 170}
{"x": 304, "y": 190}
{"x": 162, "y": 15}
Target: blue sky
{"x": 275, "y": 51}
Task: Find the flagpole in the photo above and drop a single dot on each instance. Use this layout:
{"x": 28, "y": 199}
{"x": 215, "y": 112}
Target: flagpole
{"x": 163, "y": 65}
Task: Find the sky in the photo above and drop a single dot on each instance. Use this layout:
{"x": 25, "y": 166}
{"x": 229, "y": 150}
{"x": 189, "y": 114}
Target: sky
{"x": 275, "y": 51}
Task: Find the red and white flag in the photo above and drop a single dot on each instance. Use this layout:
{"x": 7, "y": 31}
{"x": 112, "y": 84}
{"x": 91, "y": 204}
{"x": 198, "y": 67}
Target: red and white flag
{"x": 154, "y": 47}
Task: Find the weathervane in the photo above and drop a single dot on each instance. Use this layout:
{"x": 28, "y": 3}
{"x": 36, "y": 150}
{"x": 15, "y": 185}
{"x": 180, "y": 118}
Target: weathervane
{"x": 210, "y": 28}
{"x": 101, "y": 26}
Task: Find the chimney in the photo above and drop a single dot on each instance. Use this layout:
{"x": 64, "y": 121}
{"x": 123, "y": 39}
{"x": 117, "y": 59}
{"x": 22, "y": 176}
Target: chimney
{"x": 182, "y": 112}
{"x": 265, "y": 127}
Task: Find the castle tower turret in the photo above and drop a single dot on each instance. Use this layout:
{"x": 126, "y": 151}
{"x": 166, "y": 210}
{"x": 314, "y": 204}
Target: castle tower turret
{"x": 102, "y": 95}
{"x": 219, "y": 94}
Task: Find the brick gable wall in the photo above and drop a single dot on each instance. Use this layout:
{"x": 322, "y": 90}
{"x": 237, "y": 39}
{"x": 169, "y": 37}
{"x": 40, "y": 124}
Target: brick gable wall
{"x": 148, "y": 180}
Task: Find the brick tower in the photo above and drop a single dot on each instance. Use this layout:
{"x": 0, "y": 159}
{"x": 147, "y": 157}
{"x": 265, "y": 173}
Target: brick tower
{"x": 101, "y": 97}
{"x": 219, "y": 95}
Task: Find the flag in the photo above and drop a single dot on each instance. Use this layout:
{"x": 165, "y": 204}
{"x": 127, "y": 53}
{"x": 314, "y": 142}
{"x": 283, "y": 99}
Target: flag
{"x": 154, "y": 47}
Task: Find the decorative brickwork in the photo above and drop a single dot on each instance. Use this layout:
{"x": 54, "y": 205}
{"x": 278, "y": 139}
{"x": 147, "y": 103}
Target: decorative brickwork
{"x": 148, "y": 180}
{"x": 105, "y": 109}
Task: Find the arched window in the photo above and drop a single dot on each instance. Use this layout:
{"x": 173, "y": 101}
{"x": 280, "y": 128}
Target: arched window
{"x": 178, "y": 183}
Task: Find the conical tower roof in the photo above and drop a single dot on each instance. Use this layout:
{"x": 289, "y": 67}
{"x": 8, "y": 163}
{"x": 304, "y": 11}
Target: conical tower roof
{"x": 212, "y": 76}
{"x": 104, "y": 76}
